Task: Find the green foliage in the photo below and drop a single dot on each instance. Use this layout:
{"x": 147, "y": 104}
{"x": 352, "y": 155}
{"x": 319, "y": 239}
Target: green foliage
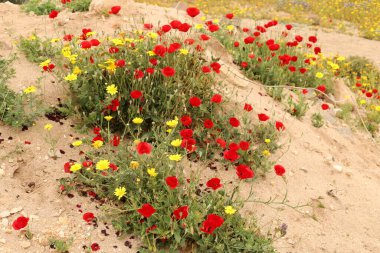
{"x": 40, "y": 7}
{"x": 317, "y": 120}
{"x": 78, "y": 5}
{"x": 297, "y": 107}
{"x": 60, "y": 245}
{"x": 345, "y": 111}
{"x": 37, "y": 49}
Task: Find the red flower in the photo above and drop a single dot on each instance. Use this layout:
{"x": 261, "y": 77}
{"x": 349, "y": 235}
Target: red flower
{"x": 95, "y": 43}
{"x": 135, "y": 94}
{"x": 230, "y": 15}
{"x": 244, "y": 64}
{"x": 214, "y": 183}
{"x": 189, "y": 41}
{"x": 231, "y": 155}
{"x": 146, "y": 210}
{"x": 120, "y": 63}
{"x": 317, "y": 50}
{"x": 160, "y": 50}
{"x": 189, "y": 144}
{"x": 95, "y": 247}
{"x": 292, "y": 69}
{"x": 325, "y": 107}
{"x": 207, "y": 123}
{"x": 153, "y": 227}
{"x": 20, "y": 223}
{"x": 113, "y": 167}
{"x": 195, "y": 101}
{"x": 216, "y": 67}
{"x": 221, "y": 143}
{"x": 244, "y": 145}
{"x": 68, "y": 37}
{"x": 206, "y": 69}
{"x": 85, "y": 44}
{"x": 234, "y": 122}
{"x": 184, "y": 27}
{"x": 248, "y": 107}
{"x": 280, "y": 170}
{"x": 244, "y": 172}
{"x": 213, "y": 28}
{"x": 144, "y": 148}
{"x": 172, "y": 182}
{"x": 274, "y": 47}
{"x": 186, "y": 133}
{"x": 216, "y": 99}
{"x": 236, "y": 44}
{"x": 86, "y": 164}
{"x": 186, "y": 120}
{"x": 298, "y": 38}
{"x": 173, "y": 47}
{"x": 148, "y": 26}
{"x": 97, "y": 130}
{"x": 321, "y": 88}
{"x": 181, "y": 212}
{"x": 249, "y": 40}
{"x": 192, "y": 11}
{"x": 153, "y": 61}
{"x": 175, "y": 24}
{"x": 233, "y": 146}
{"x": 166, "y": 28}
{"x": 289, "y": 27}
{"x": 114, "y": 10}
{"x": 211, "y": 223}
{"x": 280, "y": 126}
{"x": 138, "y": 74}
{"x": 88, "y": 217}
{"x": 66, "y": 167}
{"x": 313, "y": 39}
{"x": 150, "y": 71}
{"x": 302, "y": 70}
{"x": 263, "y": 117}
{"x": 168, "y": 71}
{"x": 204, "y": 37}
{"x": 53, "y": 14}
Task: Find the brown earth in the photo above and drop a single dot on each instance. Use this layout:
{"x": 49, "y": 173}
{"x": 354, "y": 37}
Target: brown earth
{"x": 334, "y": 167}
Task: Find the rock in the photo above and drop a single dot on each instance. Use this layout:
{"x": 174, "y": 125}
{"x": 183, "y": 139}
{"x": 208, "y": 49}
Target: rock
{"x": 338, "y": 167}
{"x": 16, "y": 209}
{"x": 4, "y": 214}
{"x": 3, "y": 241}
{"x": 25, "y": 244}
{"x": 342, "y": 92}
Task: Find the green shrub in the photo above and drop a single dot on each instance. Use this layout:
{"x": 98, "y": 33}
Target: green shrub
{"x": 40, "y": 7}
{"x": 78, "y": 5}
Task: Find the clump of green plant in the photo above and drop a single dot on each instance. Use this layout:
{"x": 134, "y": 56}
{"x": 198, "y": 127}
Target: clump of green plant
{"x": 37, "y": 49}
{"x": 345, "y": 111}
{"x": 297, "y": 107}
{"x": 40, "y": 7}
{"x": 60, "y": 245}
{"x": 317, "y": 120}
{"x": 78, "y": 5}
{"x": 12, "y": 105}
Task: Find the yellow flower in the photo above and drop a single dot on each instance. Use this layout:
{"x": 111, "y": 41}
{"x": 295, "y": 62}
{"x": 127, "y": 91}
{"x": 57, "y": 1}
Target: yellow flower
{"x": 230, "y": 28}
{"x": 184, "y": 51}
{"x": 152, "y": 172}
{"x": 71, "y": 77}
{"x": 77, "y": 70}
{"x": 48, "y": 127}
{"x": 108, "y": 117}
{"x": 75, "y": 167}
{"x": 198, "y": 26}
{"x": 266, "y": 152}
{"x": 340, "y": 58}
{"x": 45, "y": 63}
{"x": 54, "y": 40}
{"x": 111, "y": 89}
{"x": 319, "y": 75}
{"x": 30, "y": 89}
{"x": 103, "y": 165}
{"x": 97, "y": 144}
{"x": 32, "y": 37}
{"x": 151, "y": 53}
{"x": 229, "y": 210}
{"x": 267, "y": 140}
{"x": 73, "y": 58}
{"x": 120, "y": 192}
{"x": 203, "y": 18}
{"x": 169, "y": 131}
{"x": 90, "y": 34}
{"x": 176, "y": 157}
{"x": 134, "y": 164}
{"x": 172, "y": 123}
{"x": 216, "y": 21}
{"x": 152, "y": 35}
{"x": 66, "y": 51}
{"x": 137, "y": 120}
{"x": 136, "y": 141}
{"x": 176, "y": 142}
{"x": 377, "y": 108}
{"x": 118, "y": 42}
{"x": 362, "y": 102}
{"x": 77, "y": 143}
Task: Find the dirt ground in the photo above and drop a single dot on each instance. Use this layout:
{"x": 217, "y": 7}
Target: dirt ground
{"x": 334, "y": 167}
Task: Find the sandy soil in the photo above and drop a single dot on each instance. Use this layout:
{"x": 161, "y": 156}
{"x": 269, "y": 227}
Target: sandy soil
{"x": 334, "y": 166}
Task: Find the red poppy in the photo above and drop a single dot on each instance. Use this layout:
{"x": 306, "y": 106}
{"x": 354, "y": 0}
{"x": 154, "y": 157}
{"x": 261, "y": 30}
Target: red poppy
{"x": 289, "y": 27}
{"x": 231, "y": 155}
{"x": 214, "y": 183}
{"x": 213, "y": 28}
{"x": 153, "y": 227}
{"x": 321, "y": 88}
{"x": 244, "y": 145}
{"x": 195, "y": 101}
{"x": 236, "y": 44}
{"x": 173, "y": 47}
{"x": 68, "y": 37}
{"x": 186, "y": 133}
{"x": 138, "y": 74}
{"x": 189, "y": 144}
{"x": 244, "y": 64}
{"x": 292, "y": 69}
{"x": 263, "y": 117}
{"x": 88, "y": 217}
{"x": 216, "y": 67}
{"x": 143, "y": 148}
{"x": 207, "y": 123}
{"x": 280, "y": 126}
{"x": 313, "y": 39}
{"x": 114, "y": 10}
{"x": 298, "y": 38}
{"x": 53, "y": 14}
{"x": 317, "y": 50}
{"x": 150, "y": 71}
{"x": 175, "y": 24}
{"x": 166, "y": 28}
{"x": 249, "y": 40}
{"x": 148, "y": 26}
{"x": 146, "y": 210}
{"x": 120, "y": 63}
{"x": 184, "y": 27}
{"x": 172, "y": 182}
{"x": 95, "y": 247}
{"x": 274, "y": 47}
{"x": 233, "y": 146}
{"x": 159, "y": 50}
{"x": 221, "y": 142}
{"x": 248, "y": 107}
{"x": 67, "y": 166}
{"x": 280, "y": 170}
{"x": 234, "y": 122}
{"x": 181, "y": 212}
{"x": 189, "y": 41}
{"x": 20, "y": 223}
{"x": 211, "y": 223}
{"x": 230, "y": 15}
{"x": 192, "y": 11}
{"x": 204, "y": 37}
{"x": 186, "y": 120}
{"x": 302, "y": 70}
{"x": 114, "y": 167}
{"x": 87, "y": 163}
{"x": 95, "y": 42}
{"x": 244, "y": 172}
{"x": 216, "y": 99}
{"x": 325, "y": 106}
{"x": 153, "y": 61}
{"x": 135, "y": 94}
{"x": 85, "y": 44}
{"x": 168, "y": 71}
{"x": 206, "y": 69}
